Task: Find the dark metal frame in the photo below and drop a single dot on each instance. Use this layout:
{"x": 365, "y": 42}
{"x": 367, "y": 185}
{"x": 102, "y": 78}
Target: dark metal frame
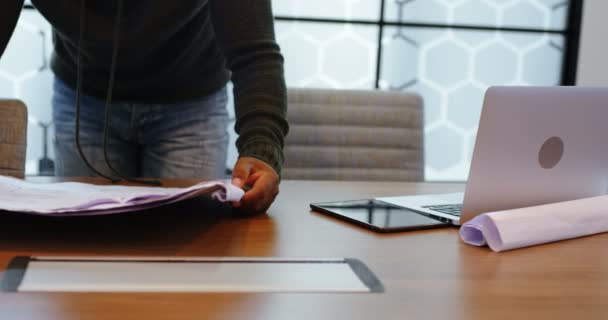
{"x": 571, "y": 34}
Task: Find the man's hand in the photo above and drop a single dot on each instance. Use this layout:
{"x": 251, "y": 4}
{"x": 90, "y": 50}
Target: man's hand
{"x": 262, "y": 179}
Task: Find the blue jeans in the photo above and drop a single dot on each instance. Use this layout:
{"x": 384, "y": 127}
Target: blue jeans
{"x": 182, "y": 140}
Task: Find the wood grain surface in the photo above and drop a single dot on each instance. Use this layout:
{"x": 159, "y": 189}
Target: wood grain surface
{"x": 427, "y": 274}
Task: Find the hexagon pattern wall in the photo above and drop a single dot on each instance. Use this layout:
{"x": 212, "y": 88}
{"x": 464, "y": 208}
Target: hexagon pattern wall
{"x": 454, "y": 69}
{"x": 451, "y": 68}
{"x": 24, "y": 74}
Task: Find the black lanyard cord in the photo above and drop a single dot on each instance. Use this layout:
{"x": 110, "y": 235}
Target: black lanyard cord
{"x": 154, "y": 182}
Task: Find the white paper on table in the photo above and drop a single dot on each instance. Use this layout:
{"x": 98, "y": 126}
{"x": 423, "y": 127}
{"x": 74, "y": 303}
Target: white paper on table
{"x": 517, "y": 228}
{"x": 107, "y": 274}
{"x": 75, "y": 198}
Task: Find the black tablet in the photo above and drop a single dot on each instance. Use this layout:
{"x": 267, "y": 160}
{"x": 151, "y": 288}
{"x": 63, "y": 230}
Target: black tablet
{"x": 379, "y": 216}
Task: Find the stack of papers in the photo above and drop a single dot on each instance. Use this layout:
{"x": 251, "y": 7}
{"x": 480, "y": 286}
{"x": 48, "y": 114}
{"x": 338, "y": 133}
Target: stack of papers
{"x": 517, "y": 228}
{"x": 74, "y": 198}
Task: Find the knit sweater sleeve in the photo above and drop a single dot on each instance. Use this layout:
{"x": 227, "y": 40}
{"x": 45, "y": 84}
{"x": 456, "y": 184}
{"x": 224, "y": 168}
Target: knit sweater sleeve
{"x": 245, "y": 33}
{"x": 9, "y": 14}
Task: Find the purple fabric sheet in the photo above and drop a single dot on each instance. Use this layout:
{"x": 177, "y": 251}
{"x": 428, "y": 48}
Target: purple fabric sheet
{"x": 73, "y": 198}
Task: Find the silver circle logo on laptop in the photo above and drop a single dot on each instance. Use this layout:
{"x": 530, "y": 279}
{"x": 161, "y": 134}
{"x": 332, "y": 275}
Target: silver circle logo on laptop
{"x": 551, "y": 152}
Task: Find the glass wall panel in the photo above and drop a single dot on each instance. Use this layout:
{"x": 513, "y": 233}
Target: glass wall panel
{"x": 451, "y": 69}
{"x": 328, "y": 55}
{"x": 25, "y": 74}
{"x": 329, "y": 9}
{"x": 534, "y": 14}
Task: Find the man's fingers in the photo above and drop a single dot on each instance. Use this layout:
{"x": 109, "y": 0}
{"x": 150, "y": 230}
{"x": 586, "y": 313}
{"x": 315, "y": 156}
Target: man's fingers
{"x": 253, "y": 177}
{"x": 259, "y": 198}
{"x": 258, "y": 192}
{"x": 240, "y": 173}
{"x": 264, "y": 182}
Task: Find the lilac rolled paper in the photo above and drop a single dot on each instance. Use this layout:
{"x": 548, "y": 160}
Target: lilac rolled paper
{"x": 518, "y": 228}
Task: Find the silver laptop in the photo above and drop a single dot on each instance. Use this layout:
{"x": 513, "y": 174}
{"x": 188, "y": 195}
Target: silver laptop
{"x": 535, "y": 145}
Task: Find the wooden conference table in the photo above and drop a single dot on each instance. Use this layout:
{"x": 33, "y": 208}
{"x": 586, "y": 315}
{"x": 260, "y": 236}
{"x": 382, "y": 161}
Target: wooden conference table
{"x": 427, "y": 274}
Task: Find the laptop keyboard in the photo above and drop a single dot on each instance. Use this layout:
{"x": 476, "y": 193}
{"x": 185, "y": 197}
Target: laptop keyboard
{"x": 453, "y": 209}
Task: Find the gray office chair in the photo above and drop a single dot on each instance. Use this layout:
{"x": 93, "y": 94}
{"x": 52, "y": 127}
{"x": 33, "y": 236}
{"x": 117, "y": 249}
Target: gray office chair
{"x": 13, "y": 137}
{"x": 354, "y": 135}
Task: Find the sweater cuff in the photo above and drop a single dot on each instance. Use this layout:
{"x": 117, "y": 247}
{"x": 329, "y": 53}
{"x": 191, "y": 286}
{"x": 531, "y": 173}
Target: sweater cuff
{"x": 266, "y": 152}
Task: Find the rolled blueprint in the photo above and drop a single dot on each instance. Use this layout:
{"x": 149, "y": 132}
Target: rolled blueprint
{"x": 517, "y": 228}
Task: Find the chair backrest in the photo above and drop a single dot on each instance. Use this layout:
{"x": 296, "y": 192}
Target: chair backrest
{"x": 13, "y": 137}
{"x": 354, "y": 135}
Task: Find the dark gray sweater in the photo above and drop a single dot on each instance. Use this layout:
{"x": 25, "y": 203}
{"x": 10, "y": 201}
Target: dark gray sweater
{"x": 173, "y": 51}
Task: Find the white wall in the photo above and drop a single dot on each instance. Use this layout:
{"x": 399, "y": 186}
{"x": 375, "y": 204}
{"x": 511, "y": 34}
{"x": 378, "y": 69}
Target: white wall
{"x": 593, "y": 51}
